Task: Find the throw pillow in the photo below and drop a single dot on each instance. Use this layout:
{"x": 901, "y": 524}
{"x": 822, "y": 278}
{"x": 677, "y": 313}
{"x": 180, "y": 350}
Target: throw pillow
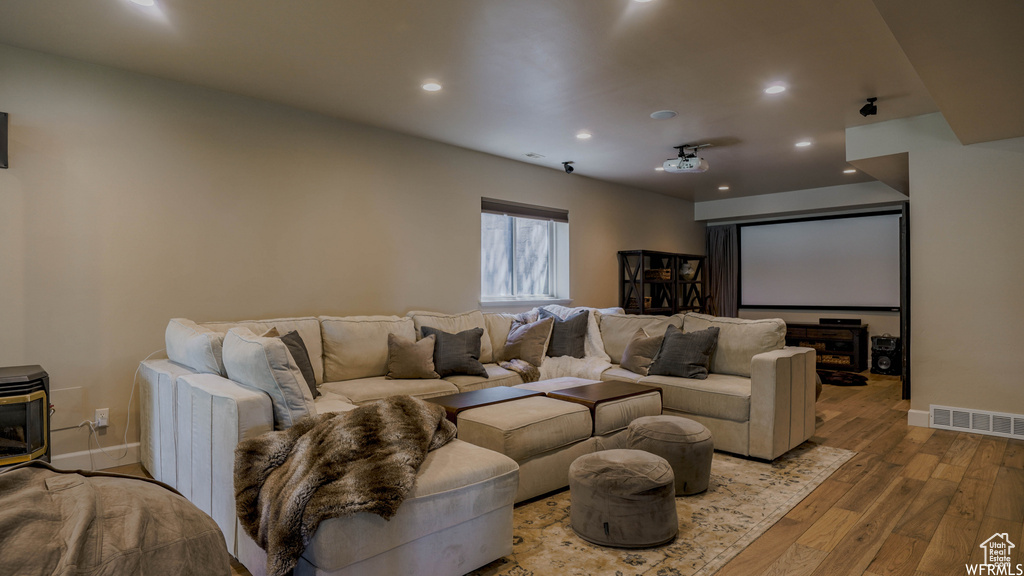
{"x": 265, "y": 364}
{"x": 300, "y": 354}
{"x": 409, "y": 358}
{"x": 527, "y": 342}
{"x": 568, "y": 337}
{"x": 640, "y": 352}
{"x": 457, "y": 353}
{"x": 685, "y": 354}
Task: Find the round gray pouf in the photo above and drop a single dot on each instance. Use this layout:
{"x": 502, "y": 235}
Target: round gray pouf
{"x": 623, "y": 498}
{"x": 687, "y": 445}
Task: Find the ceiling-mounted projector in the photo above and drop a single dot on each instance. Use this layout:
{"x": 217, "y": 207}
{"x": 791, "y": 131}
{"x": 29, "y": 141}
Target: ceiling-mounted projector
{"x": 688, "y": 161}
{"x": 693, "y": 164}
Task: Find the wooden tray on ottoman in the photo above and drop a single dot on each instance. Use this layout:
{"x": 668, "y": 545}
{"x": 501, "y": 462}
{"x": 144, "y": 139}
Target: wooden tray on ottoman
{"x": 455, "y": 403}
{"x": 591, "y": 395}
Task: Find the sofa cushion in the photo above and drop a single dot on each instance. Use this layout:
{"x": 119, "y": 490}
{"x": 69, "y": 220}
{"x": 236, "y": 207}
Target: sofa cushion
{"x": 641, "y": 350}
{"x": 410, "y": 359}
{"x": 528, "y": 342}
{"x": 719, "y": 396}
{"x": 526, "y": 427}
{"x": 195, "y": 346}
{"x": 738, "y": 340}
{"x": 457, "y": 353}
{"x": 307, "y": 327}
{"x": 357, "y": 346}
{"x": 568, "y": 336}
{"x": 496, "y": 376}
{"x": 364, "y": 390}
{"x": 455, "y": 484}
{"x": 265, "y": 364}
{"x": 617, "y": 372}
{"x": 331, "y": 402}
{"x": 685, "y": 354}
{"x": 297, "y": 348}
{"x": 498, "y": 325}
{"x": 455, "y": 323}
{"x": 618, "y": 329}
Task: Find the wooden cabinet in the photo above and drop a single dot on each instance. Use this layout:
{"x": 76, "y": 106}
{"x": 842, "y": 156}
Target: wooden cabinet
{"x": 653, "y": 282}
{"x": 838, "y": 346}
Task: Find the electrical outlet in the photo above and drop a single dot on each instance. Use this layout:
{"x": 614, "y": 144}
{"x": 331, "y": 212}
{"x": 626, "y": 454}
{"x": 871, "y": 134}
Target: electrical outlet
{"x": 102, "y": 417}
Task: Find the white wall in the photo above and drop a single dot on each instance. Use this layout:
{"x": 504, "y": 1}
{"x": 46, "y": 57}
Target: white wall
{"x": 131, "y": 200}
{"x": 967, "y": 268}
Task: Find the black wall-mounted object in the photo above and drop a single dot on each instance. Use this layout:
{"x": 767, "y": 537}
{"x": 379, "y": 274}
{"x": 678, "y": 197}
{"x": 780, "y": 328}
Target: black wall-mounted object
{"x": 886, "y": 356}
{"x": 3, "y": 139}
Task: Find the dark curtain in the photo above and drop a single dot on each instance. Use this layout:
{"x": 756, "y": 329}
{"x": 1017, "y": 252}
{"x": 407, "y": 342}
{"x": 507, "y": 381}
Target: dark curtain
{"x": 723, "y": 269}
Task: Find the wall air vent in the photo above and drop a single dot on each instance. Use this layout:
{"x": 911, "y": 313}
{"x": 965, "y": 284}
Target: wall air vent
{"x": 977, "y": 421}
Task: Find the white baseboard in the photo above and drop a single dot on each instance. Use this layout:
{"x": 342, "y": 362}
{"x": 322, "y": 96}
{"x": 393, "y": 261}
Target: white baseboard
{"x": 919, "y": 418}
{"x": 86, "y": 459}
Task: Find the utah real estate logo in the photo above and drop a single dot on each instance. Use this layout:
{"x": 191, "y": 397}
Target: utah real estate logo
{"x": 997, "y": 558}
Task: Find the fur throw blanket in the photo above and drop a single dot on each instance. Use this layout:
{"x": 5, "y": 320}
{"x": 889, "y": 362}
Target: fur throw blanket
{"x": 528, "y": 372}
{"x": 331, "y": 465}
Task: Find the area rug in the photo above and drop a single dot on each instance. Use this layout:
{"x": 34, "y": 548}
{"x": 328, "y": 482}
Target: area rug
{"x": 840, "y": 378}
{"x": 744, "y": 499}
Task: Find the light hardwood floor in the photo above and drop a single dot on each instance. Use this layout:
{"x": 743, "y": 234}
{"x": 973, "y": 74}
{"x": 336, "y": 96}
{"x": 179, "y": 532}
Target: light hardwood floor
{"x": 913, "y": 502}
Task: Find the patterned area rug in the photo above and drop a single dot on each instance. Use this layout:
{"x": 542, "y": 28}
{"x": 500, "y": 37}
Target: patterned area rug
{"x": 743, "y": 500}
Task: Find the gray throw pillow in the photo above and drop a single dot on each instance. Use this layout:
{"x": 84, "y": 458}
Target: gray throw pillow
{"x": 301, "y": 355}
{"x": 568, "y": 337}
{"x": 410, "y": 359}
{"x": 641, "y": 351}
{"x": 685, "y": 354}
{"x": 457, "y": 353}
{"x": 527, "y": 341}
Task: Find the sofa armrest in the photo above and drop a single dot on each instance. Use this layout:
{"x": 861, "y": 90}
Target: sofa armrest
{"x": 158, "y": 429}
{"x": 214, "y": 414}
{"x": 781, "y": 400}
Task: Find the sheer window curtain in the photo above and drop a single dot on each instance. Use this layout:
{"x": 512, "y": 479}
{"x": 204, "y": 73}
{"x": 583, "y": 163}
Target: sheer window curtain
{"x": 723, "y": 269}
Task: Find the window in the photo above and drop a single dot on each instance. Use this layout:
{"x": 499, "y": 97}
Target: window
{"x": 524, "y": 252}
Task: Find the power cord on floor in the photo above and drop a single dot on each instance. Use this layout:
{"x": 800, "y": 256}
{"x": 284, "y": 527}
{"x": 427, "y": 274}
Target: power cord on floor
{"x": 127, "y": 423}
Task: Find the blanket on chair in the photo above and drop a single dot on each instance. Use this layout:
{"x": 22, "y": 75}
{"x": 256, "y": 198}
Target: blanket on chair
{"x": 75, "y": 522}
{"x": 332, "y": 465}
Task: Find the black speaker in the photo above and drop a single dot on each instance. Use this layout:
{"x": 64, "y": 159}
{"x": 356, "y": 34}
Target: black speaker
{"x": 885, "y": 355}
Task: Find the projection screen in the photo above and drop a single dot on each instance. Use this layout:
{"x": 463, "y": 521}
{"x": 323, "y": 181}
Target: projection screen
{"x": 847, "y": 262}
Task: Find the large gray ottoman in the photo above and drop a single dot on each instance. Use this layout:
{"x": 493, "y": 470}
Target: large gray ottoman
{"x": 685, "y": 444}
{"x": 623, "y": 498}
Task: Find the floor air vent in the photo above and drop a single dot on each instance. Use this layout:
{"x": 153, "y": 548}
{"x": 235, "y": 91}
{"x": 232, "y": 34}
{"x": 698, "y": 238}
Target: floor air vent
{"x": 978, "y": 421}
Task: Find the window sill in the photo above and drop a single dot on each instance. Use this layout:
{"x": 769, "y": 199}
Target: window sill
{"x": 530, "y": 302}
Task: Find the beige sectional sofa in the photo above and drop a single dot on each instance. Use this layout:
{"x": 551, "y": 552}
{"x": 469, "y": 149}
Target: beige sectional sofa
{"x": 758, "y": 401}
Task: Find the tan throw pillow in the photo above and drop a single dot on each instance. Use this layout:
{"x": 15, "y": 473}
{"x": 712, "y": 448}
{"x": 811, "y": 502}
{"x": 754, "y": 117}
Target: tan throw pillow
{"x": 409, "y": 359}
{"x": 639, "y": 353}
{"x": 528, "y": 342}
{"x": 272, "y": 333}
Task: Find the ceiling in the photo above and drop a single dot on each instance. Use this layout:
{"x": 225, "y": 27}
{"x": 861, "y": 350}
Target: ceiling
{"x": 525, "y": 76}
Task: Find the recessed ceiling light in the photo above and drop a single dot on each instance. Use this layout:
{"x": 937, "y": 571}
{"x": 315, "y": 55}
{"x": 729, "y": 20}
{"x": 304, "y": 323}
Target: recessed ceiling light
{"x": 663, "y": 114}
{"x": 643, "y": 1}
{"x": 723, "y": 187}
{"x": 146, "y": 3}
{"x": 429, "y": 86}
{"x": 659, "y": 169}
{"x": 803, "y": 144}
{"x": 849, "y": 171}
{"x": 776, "y": 88}
{"x": 584, "y": 135}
